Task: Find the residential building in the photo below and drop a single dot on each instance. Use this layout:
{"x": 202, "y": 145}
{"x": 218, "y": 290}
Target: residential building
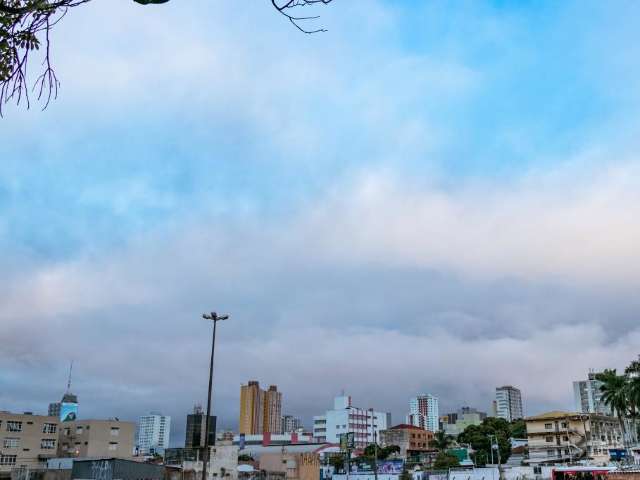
{"x": 462, "y": 419}
{"x": 423, "y": 412}
{"x": 508, "y": 403}
{"x": 290, "y": 424}
{"x": 587, "y": 396}
{"x": 26, "y": 440}
{"x": 196, "y": 428}
{"x": 365, "y": 424}
{"x": 571, "y": 436}
{"x": 96, "y": 438}
{"x": 412, "y": 440}
{"x": 291, "y": 466}
{"x": 153, "y": 434}
{"x": 260, "y": 410}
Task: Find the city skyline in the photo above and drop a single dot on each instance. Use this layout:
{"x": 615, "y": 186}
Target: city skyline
{"x": 444, "y": 199}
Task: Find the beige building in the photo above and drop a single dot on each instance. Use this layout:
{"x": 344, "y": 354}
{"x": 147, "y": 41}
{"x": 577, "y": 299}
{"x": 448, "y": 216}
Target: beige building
{"x": 412, "y": 440}
{"x": 291, "y": 466}
{"x": 96, "y": 438}
{"x": 260, "y": 410}
{"x": 566, "y": 436}
{"x": 26, "y": 440}
{"x": 223, "y": 463}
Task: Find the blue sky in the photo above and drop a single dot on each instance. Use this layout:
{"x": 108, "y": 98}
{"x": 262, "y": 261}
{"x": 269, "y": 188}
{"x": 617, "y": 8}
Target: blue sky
{"x": 458, "y": 180}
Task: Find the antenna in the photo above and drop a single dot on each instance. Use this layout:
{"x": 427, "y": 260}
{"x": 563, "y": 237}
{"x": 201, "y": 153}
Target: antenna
{"x": 69, "y": 381}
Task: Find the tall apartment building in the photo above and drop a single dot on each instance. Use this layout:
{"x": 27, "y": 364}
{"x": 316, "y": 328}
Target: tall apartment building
{"x": 153, "y": 434}
{"x": 196, "y": 428}
{"x": 260, "y": 410}
{"x": 423, "y": 412}
{"x": 96, "y": 438}
{"x": 508, "y": 403}
{"x": 26, "y": 440}
{"x": 587, "y": 396}
{"x": 291, "y": 424}
{"x": 365, "y": 424}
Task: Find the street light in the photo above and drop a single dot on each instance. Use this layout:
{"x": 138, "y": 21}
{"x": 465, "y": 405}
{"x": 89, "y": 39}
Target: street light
{"x": 213, "y": 316}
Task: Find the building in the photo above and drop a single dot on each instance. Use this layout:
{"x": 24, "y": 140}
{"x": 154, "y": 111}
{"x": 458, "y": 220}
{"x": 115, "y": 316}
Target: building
{"x": 196, "y": 427}
{"x": 290, "y": 424}
{"x": 26, "y": 440}
{"x": 223, "y": 461}
{"x": 365, "y": 424}
{"x": 153, "y": 434}
{"x": 54, "y": 409}
{"x": 291, "y": 466}
{"x": 463, "y": 418}
{"x": 587, "y": 396}
{"x": 571, "y": 436}
{"x": 96, "y": 438}
{"x": 412, "y": 440}
{"x": 423, "y": 412}
{"x": 260, "y": 410}
{"x": 108, "y": 468}
{"x": 508, "y": 403}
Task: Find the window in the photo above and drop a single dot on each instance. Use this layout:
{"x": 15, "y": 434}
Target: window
{"x": 115, "y": 431}
{"x": 79, "y": 430}
{"x": 550, "y": 453}
{"x": 14, "y": 426}
{"x": 67, "y": 431}
{"x": 565, "y": 438}
{"x": 49, "y": 428}
{"x": 47, "y": 444}
{"x": 8, "y": 459}
{"x": 548, "y": 426}
{"x": 548, "y": 439}
{"x": 113, "y": 446}
{"x": 11, "y": 442}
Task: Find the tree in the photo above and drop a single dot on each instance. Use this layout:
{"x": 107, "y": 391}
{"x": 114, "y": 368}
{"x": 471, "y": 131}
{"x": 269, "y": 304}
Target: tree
{"x": 337, "y": 462}
{"x": 518, "y": 429}
{"x": 478, "y": 436}
{"x": 615, "y": 394}
{"x": 445, "y": 461}
{"x": 441, "y": 441}
{"x": 25, "y": 27}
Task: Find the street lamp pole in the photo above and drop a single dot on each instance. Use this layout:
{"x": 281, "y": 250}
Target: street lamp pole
{"x": 214, "y": 317}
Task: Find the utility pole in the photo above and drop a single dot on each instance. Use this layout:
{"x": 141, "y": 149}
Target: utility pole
{"x": 213, "y": 316}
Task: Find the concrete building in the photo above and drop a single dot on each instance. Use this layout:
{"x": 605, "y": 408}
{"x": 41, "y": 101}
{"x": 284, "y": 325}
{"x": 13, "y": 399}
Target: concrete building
{"x": 223, "y": 463}
{"x": 423, "y": 412}
{"x": 96, "y": 438}
{"x": 587, "y": 396}
{"x": 292, "y": 466}
{"x": 260, "y": 410}
{"x": 463, "y": 418}
{"x": 290, "y": 424}
{"x": 116, "y": 468}
{"x": 567, "y": 437}
{"x": 365, "y": 424}
{"x": 196, "y": 428}
{"x": 412, "y": 440}
{"x": 508, "y": 403}
{"x": 26, "y": 440}
{"x": 153, "y": 434}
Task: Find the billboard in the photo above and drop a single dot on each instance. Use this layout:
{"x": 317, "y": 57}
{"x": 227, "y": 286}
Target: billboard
{"x": 392, "y": 467}
{"x": 68, "y": 412}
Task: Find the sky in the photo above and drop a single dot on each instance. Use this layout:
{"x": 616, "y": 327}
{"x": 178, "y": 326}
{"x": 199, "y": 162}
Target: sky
{"x": 430, "y": 196}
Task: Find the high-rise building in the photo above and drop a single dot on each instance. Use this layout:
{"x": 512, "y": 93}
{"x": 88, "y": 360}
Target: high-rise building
{"x": 66, "y": 409}
{"x": 196, "y": 427}
{"x": 587, "y": 395}
{"x": 423, "y": 412}
{"x": 291, "y": 424}
{"x": 508, "y": 403}
{"x": 153, "y": 434}
{"x": 260, "y": 410}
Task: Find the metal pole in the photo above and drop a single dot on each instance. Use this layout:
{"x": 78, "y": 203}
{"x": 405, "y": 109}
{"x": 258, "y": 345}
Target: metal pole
{"x": 205, "y": 458}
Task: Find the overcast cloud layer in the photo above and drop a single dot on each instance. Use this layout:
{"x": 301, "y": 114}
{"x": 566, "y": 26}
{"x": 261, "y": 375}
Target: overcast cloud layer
{"x": 430, "y": 197}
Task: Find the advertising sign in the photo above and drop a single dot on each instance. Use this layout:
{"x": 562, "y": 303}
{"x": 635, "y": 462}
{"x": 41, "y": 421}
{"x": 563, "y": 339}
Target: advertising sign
{"x": 68, "y": 412}
{"x": 392, "y": 467}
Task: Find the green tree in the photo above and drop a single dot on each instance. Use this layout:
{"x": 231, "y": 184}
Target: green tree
{"x": 615, "y": 394}
{"x": 337, "y": 462}
{"x": 518, "y": 429}
{"x": 478, "y": 437}
{"x": 441, "y": 441}
{"x": 445, "y": 461}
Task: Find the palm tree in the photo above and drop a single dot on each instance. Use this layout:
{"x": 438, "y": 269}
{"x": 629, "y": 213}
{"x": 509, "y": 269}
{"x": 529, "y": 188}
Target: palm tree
{"x": 441, "y": 441}
{"x": 615, "y": 394}
{"x": 633, "y": 377}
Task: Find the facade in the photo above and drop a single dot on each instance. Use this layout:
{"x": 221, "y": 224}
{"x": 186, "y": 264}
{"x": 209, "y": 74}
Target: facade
{"x": 412, "y": 440}
{"x": 96, "y": 438}
{"x": 26, "y": 440}
{"x": 290, "y": 424}
{"x": 223, "y": 463}
{"x": 107, "y": 468}
{"x": 153, "y": 434}
{"x": 365, "y": 424}
{"x": 54, "y": 409}
{"x": 423, "y": 412}
{"x": 508, "y": 403}
{"x": 568, "y": 437}
{"x": 292, "y": 466}
{"x": 463, "y": 418}
{"x": 587, "y": 396}
{"x": 196, "y": 428}
{"x": 260, "y": 410}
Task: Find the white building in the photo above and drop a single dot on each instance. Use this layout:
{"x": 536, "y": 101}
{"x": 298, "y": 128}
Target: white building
{"x": 223, "y": 463}
{"x": 365, "y": 424}
{"x": 423, "y": 412}
{"x": 508, "y": 403}
{"x": 587, "y": 396}
{"x": 153, "y": 434}
{"x": 290, "y": 424}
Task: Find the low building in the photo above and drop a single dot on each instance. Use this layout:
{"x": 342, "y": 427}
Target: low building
{"x": 462, "y": 419}
{"x": 557, "y": 436}
{"x": 294, "y": 466}
{"x": 96, "y": 438}
{"x": 412, "y": 440}
{"x": 26, "y": 440}
{"x": 115, "y": 468}
{"x": 223, "y": 463}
